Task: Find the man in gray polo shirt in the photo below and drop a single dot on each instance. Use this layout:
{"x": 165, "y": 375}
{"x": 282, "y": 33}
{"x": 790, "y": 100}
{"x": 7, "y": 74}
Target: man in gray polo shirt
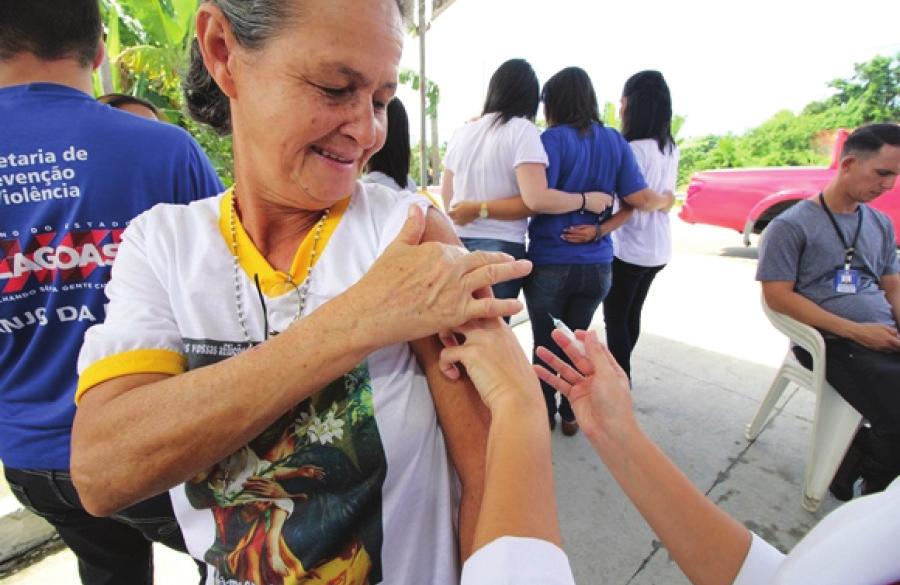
{"x": 831, "y": 262}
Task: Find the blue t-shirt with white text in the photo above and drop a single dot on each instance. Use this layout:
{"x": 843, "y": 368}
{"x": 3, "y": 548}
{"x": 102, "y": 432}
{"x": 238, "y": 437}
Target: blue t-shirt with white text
{"x": 599, "y": 160}
{"x": 73, "y": 173}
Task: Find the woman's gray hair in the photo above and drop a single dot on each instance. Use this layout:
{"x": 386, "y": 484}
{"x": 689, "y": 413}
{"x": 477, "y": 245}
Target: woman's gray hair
{"x": 253, "y": 23}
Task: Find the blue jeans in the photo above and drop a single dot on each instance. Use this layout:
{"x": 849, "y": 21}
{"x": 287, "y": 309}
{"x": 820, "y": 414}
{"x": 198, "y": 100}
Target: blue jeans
{"x": 110, "y": 551}
{"x": 571, "y": 292}
{"x": 503, "y": 290}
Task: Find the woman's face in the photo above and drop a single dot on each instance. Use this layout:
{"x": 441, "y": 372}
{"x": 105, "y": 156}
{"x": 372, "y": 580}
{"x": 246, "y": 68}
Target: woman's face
{"x": 623, "y": 104}
{"x": 309, "y": 108}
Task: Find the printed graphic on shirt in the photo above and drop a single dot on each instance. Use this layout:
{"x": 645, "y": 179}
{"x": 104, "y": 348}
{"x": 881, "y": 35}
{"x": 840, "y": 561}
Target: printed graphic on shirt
{"x": 49, "y": 261}
{"x": 301, "y": 504}
{"x": 40, "y": 175}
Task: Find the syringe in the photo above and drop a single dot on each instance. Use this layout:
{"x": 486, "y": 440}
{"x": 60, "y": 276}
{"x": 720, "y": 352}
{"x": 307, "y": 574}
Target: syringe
{"x": 578, "y": 345}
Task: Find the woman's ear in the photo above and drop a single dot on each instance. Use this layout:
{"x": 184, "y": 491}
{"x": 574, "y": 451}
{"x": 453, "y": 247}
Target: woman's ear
{"x": 217, "y": 45}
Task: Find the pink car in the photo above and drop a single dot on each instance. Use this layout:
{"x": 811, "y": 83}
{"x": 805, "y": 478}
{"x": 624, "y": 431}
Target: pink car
{"x": 746, "y": 200}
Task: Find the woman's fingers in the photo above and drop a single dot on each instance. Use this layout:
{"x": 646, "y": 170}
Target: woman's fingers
{"x": 491, "y": 308}
{"x": 450, "y": 356}
{"x": 552, "y": 379}
{"x": 600, "y": 355}
{"x": 582, "y": 362}
{"x": 574, "y": 392}
{"x": 568, "y": 373}
{"x": 491, "y": 274}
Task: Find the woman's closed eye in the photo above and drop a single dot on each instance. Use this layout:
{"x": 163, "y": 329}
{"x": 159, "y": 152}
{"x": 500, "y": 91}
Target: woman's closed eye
{"x": 336, "y": 93}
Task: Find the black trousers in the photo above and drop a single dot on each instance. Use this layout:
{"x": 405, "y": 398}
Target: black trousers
{"x": 622, "y": 308}
{"x": 110, "y": 551}
{"x": 870, "y": 381}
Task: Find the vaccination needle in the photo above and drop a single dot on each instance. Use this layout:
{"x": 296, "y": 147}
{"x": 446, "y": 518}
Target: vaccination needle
{"x": 576, "y": 343}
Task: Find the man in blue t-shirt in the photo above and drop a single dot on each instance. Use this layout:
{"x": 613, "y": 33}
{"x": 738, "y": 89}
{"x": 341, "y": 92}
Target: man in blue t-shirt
{"x": 73, "y": 173}
{"x": 831, "y": 262}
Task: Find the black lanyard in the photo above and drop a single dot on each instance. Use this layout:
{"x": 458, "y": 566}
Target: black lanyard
{"x": 849, "y": 249}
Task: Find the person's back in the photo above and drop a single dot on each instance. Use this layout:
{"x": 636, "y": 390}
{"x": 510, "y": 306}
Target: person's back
{"x": 483, "y": 156}
{"x": 596, "y": 160}
{"x": 69, "y": 184}
{"x": 646, "y": 238}
{"x": 73, "y": 172}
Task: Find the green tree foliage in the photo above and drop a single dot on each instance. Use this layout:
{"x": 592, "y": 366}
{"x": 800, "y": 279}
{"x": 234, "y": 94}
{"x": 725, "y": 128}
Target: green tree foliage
{"x": 871, "y": 94}
{"x": 147, "y": 44}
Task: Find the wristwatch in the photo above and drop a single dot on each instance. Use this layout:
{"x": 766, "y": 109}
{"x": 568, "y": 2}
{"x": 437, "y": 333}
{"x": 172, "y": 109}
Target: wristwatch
{"x": 483, "y": 210}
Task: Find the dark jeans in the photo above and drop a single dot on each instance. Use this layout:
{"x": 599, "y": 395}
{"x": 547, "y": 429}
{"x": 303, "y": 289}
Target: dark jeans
{"x": 571, "y": 292}
{"x": 504, "y": 290}
{"x": 870, "y": 381}
{"x": 622, "y": 308}
{"x": 110, "y": 551}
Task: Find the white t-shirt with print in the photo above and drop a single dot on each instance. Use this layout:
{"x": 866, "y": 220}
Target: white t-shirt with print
{"x": 646, "y": 238}
{"x": 483, "y": 158}
{"x": 366, "y": 493}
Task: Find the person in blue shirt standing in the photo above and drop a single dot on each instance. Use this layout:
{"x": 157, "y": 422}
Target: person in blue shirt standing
{"x": 73, "y": 173}
{"x": 570, "y": 280}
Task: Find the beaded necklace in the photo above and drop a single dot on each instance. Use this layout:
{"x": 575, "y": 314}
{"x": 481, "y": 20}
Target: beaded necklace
{"x": 301, "y": 290}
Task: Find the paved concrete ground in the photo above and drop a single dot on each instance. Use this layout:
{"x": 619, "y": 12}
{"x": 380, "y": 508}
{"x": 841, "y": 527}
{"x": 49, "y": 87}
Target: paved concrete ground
{"x": 705, "y": 359}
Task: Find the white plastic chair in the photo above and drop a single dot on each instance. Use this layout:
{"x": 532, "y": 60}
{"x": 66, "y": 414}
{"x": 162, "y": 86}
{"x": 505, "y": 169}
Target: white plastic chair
{"x": 835, "y": 422}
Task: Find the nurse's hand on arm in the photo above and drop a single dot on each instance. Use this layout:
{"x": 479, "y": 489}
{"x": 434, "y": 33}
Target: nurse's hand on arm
{"x": 519, "y": 495}
{"x": 708, "y": 544}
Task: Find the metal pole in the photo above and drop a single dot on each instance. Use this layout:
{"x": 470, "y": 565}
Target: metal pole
{"x": 423, "y": 143}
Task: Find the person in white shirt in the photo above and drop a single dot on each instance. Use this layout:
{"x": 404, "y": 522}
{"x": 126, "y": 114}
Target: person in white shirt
{"x": 643, "y": 244}
{"x": 294, "y": 316}
{"x": 495, "y": 171}
{"x": 390, "y": 165}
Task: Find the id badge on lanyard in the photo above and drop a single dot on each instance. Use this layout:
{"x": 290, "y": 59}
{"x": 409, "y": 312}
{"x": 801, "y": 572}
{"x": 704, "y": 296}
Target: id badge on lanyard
{"x": 846, "y": 279}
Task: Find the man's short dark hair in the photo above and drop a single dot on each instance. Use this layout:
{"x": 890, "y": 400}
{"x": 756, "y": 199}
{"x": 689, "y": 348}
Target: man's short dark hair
{"x": 867, "y": 140}
{"x": 50, "y": 29}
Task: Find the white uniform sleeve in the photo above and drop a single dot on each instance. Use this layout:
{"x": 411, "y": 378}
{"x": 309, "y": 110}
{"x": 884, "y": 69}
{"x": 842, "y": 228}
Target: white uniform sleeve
{"x": 761, "y": 564}
{"x": 528, "y": 146}
{"x": 139, "y": 334}
{"x": 518, "y": 561}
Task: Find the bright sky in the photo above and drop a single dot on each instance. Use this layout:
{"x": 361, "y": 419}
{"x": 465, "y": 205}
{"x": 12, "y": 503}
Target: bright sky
{"x": 730, "y": 65}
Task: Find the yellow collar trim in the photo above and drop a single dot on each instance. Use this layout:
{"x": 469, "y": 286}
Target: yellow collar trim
{"x": 253, "y": 262}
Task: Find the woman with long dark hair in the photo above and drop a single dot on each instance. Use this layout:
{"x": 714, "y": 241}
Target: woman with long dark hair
{"x": 643, "y": 244}
{"x": 495, "y": 171}
{"x": 569, "y": 280}
{"x": 390, "y": 165}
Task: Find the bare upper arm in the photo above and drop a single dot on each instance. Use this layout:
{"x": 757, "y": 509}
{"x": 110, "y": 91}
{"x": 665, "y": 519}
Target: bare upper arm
{"x": 447, "y": 188}
{"x": 640, "y": 199}
{"x": 890, "y": 284}
{"x": 462, "y": 415}
{"x": 776, "y": 293}
{"x": 438, "y": 229}
{"x": 532, "y": 181}
{"x": 107, "y": 391}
